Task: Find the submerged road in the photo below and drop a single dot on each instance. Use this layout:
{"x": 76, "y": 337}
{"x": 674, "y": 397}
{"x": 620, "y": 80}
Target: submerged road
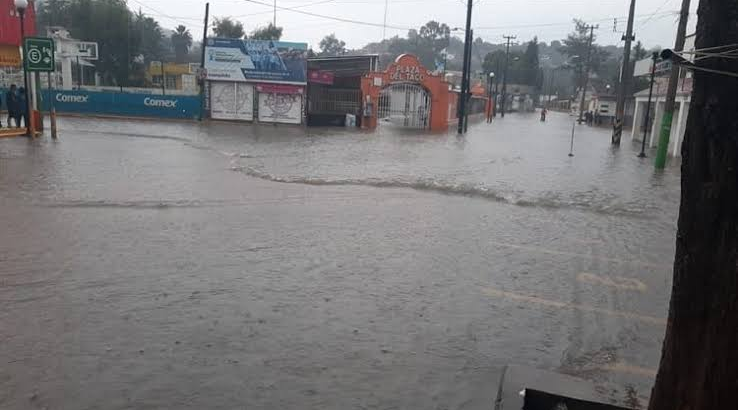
{"x": 221, "y": 266}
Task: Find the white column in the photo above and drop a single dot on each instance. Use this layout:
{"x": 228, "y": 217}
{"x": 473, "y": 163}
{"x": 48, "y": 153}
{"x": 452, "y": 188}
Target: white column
{"x": 66, "y": 74}
{"x": 636, "y": 121}
{"x": 681, "y": 127}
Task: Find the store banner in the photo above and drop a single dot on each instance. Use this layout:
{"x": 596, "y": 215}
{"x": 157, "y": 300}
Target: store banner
{"x": 279, "y": 88}
{"x": 321, "y": 77}
{"x": 280, "y": 108}
{"x": 123, "y": 104}
{"x": 9, "y": 56}
{"x": 10, "y": 32}
{"x": 228, "y": 59}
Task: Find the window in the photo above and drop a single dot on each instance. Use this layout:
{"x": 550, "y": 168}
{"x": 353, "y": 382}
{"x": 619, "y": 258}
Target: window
{"x": 156, "y": 79}
{"x": 171, "y": 81}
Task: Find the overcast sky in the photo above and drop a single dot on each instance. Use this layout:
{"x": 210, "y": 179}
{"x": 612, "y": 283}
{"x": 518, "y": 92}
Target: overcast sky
{"x": 655, "y": 22}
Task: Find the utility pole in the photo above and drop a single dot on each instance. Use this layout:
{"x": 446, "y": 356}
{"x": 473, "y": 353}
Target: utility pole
{"x": 465, "y": 74}
{"x": 467, "y": 92}
{"x": 654, "y": 58}
{"x": 625, "y": 78}
{"x": 504, "y": 79}
{"x": 384, "y": 25}
{"x": 497, "y": 82}
{"x": 585, "y": 80}
{"x": 275, "y": 13}
{"x": 202, "y": 61}
{"x": 671, "y": 91}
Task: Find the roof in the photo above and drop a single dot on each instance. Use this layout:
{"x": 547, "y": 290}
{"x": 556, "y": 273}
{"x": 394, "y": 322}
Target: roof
{"x": 661, "y": 84}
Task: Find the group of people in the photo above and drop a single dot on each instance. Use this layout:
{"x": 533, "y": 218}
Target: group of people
{"x": 593, "y": 118}
{"x": 17, "y": 106}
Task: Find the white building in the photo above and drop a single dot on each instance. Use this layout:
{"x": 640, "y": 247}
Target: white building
{"x": 658, "y": 101}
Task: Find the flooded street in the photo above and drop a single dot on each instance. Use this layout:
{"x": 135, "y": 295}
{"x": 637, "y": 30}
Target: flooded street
{"x": 219, "y": 266}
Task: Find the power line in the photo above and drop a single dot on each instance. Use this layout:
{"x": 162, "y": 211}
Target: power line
{"x": 345, "y": 20}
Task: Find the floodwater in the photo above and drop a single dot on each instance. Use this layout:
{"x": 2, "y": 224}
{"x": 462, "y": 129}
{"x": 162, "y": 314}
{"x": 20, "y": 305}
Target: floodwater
{"x": 221, "y": 266}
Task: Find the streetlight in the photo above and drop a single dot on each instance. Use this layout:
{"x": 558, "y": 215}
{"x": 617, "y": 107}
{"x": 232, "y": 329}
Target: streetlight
{"x": 21, "y": 6}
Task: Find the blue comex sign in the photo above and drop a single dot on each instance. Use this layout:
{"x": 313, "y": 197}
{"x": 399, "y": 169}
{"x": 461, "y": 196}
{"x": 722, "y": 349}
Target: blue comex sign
{"x": 228, "y": 59}
{"x": 129, "y": 105}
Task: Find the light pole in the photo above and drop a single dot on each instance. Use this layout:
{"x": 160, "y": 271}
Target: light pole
{"x": 21, "y": 6}
{"x": 490, "y": 96}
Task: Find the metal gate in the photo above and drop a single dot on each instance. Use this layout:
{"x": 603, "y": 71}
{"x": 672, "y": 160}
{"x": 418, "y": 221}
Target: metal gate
{"x": 404, "y": 105}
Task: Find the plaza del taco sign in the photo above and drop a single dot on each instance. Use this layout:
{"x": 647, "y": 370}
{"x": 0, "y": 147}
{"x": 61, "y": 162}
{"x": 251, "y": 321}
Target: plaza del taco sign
{"x": 411, "y": 72}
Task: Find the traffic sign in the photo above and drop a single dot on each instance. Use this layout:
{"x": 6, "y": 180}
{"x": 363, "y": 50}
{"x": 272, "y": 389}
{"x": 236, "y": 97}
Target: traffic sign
{"x": 38, "y": 54}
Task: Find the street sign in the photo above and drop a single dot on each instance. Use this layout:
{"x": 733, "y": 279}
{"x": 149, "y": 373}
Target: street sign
{"x": 38, "y": 54}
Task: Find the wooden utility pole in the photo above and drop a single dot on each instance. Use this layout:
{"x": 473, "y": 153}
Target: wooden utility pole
{"x": 504, "y": 78}
{"x": 585, "y": 74}
{"x": 625, "y": 78}
{"x": 672, "y": 90}
{"x": 202, "y": 61}
{"x": 698, "y": 363}
{"x": 465, "y": 74}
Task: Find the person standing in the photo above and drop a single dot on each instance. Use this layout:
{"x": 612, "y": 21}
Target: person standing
{"x": 11, "y": 101}
{"x": 21, "y": 110}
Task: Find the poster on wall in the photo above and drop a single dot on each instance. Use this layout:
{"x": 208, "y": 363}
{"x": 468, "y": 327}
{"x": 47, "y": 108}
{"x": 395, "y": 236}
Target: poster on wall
{"x": 231, "y": 101}
{"x": 280, "y": 108}
{"x": 228, "y": 59}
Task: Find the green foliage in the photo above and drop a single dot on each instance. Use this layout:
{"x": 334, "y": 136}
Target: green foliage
{"x": 126, "y": 41}
{"x": 227, "y": 28}
{"x": 270, "y": 32}
{"x": 181, "y": 42}
{"x": 332, "y": 46}
{"x": 531, "y": 68}
{"x": 576, "y": 43}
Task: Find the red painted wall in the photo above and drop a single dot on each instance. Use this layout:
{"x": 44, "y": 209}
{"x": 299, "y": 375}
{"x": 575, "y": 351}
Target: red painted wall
{"x": 10, "y": 23}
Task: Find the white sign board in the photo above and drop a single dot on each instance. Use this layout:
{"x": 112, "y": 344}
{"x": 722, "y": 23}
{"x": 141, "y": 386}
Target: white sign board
{"x": 231, "y": 101}
{"x": 643, "y": 67}
{"x": 281, "y": 108}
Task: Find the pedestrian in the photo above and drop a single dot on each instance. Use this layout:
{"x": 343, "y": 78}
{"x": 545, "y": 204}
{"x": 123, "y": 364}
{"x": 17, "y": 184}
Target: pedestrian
{"x": 597, "y": 117}
{"x": 22, "y": 108}
{"x": 11, "y": 101}
{"x": 543, "y": 114}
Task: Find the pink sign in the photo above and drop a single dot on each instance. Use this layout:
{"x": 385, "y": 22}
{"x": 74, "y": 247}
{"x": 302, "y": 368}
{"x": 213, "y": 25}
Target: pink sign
{"x": 279, "y": 89}
{"x": 321, "y": 77}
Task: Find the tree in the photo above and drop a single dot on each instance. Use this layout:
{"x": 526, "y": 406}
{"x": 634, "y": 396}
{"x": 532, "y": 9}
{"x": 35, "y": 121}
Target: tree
{"x": 530, "y": 64}
{"x": 330, "y": 45}
{"x": 494, "y": 62}
{"x": 698, "y": 362}
{"x": 181, "y": 42}
{"x": 576, "y": 43}
{"x": 227, "y": 28}
{"x": 151, "y": 44}
{"x": 431, "y": 39}
{"x": 270, "y": 32}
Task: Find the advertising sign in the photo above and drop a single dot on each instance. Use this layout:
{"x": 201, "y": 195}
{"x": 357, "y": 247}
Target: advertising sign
{"x": 321, "y": 77}
{"x": 39, "y": 54}
{"x": 279, "y": 89}
{"x": 229, "y": 59}
{"x": 281, "y": 108}
{"x": 132, "y": 105}
{"x": 231, "y": 101}
{"x": 9, "y": 56}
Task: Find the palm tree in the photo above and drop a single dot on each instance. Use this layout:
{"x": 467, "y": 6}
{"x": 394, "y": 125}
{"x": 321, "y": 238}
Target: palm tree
{"x": 181, "y": 42}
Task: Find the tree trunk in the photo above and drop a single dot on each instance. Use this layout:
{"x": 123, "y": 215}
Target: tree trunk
{"x": 699, "y": 362}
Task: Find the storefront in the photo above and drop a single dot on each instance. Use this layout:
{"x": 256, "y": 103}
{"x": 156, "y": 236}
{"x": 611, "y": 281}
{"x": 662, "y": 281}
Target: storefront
{"x": 254, "y": 80}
